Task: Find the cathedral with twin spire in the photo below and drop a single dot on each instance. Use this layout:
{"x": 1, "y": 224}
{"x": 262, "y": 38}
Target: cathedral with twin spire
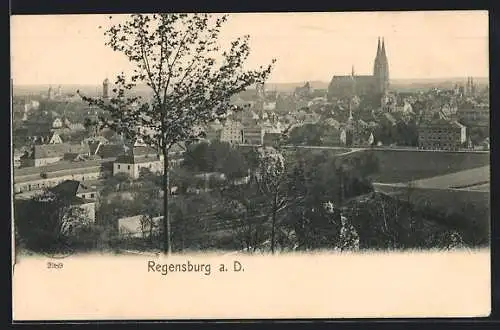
{"x": 375, "y": 85}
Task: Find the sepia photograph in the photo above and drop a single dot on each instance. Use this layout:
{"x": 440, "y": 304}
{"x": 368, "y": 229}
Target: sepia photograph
{"x": 341, "y": 154}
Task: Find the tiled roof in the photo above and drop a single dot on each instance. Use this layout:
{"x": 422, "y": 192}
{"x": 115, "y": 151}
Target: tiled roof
{"x": 111, "y": 150}
{"x": 58, "y": 150}
{"x": 59, "y": 166}
{"x": 93, "y": 146}
{"x": 178, "y": 147}
{"x": 142, "y": 150}
{"x": 129, "y": 159}
{"x": 68, "y": 190}
{"x": 84, "y": 188}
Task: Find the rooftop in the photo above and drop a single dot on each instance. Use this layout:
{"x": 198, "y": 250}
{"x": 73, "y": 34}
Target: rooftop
{"x": 129, "y": 159}
{"x": 58, "y": 150}
{"x": 60, "y": 166}
{"x": 68, "y": 190}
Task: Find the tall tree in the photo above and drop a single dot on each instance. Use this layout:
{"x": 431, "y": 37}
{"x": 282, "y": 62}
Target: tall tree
{"x": 270, "y": 178}
{"x": 178, "y": 57}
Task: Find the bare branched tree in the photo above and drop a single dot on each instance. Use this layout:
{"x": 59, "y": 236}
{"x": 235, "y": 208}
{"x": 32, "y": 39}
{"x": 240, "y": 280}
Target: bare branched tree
{"x": 179, "y": 58}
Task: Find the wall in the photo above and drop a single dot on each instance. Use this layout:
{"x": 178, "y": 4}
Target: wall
{"x": 402, "y": 166}
{"x": 53, "y": 181}
{"x": 45, "y": 161}
{"x": 155, "y": 167}
{"x": 133, "y": 170}
{"x": 124, "y": 168}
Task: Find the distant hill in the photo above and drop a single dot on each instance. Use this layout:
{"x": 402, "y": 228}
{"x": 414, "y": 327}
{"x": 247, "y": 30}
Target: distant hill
{"x": 20, "y": 90}
{"x": 90, "y": 90}
{"x": 437, "y": 82}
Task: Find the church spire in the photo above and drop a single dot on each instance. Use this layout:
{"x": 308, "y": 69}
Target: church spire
{"x": 382, "y": 51}
{"x": 378, "y": 47}
{"x": 352, "y": 71}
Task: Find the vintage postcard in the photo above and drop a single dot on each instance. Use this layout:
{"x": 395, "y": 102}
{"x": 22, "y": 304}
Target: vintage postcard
{"x": 250, "y": 165}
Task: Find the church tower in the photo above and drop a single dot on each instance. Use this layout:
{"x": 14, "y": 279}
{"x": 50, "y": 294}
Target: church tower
{"x": 381, "y": 68}
{"x": 376, "y": 63}
{"x": 105, "y": 89}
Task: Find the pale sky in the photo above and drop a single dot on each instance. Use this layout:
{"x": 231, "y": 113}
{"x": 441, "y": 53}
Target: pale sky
{"x": 69, "y": 49}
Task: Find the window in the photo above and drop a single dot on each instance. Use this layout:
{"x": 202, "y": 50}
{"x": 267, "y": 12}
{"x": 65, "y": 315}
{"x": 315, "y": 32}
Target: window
{"x": 91, "y": 195}
{"x": 118, "y": 166}
{"x": 128, "y": 167}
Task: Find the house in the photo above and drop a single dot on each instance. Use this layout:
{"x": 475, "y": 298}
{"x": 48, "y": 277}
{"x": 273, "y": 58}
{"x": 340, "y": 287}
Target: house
{"x": 271, "y": 138}
{"x": 110, "y": 150}
{"x": 55, "y": 139}
{"x": 232, "y": 132}
{"x": 86, "y": 191}
{"x": 442, "y": 135}
{"x": 68, "y": 189}
{"x": 50, "y": 153}
{"x": 57, "y": 123}
{"x": 475, "y": 115}
{"x": 139, "y": 157}
{"x": 253, "y": 135}
{"x": 36, "y": 178}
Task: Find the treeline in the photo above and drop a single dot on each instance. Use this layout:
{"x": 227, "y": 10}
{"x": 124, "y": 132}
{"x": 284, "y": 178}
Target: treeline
{"x": 320, "y": 134}
{"x": 303, "y": 200}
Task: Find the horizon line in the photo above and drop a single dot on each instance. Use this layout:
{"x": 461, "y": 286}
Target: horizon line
{"x": 271, "y": 82}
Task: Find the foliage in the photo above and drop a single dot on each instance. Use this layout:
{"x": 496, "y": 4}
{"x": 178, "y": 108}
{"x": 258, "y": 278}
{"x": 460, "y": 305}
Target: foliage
{"x": 403, "y": 133}
{"x": 46, "y": 222}
{"x": 308, "y": 134}
{"x": 478, "y": 134}
{"x": 383, "y": 222}
{"x": 115, "y": 183}
{"x": 217, "y": 157}
{"x": 249, "y": 209}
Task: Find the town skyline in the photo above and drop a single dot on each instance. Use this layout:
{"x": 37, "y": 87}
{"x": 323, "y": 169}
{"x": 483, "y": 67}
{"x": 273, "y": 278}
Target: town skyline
{"x": 446, "y": 44}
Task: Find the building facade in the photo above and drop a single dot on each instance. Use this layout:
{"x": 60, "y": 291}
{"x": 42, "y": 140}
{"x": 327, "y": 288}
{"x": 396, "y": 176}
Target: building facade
{"x": 232, "y": 132}
{"x": 253, "y": 135}
{"x": 441, "y": 135}
{"x": 139, "y": 158}
{"x": 36, "y": 178}
{"x": 45, "y": 154}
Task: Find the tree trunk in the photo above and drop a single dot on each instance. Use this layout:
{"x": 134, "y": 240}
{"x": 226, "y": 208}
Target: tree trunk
{"x": 167, "y": 248}
{"x": 273, "y": 223}
{"x": 151, "y": 222}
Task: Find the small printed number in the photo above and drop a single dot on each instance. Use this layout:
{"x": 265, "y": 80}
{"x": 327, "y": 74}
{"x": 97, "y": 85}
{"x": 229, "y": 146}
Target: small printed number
{"x": 55, "y": 265}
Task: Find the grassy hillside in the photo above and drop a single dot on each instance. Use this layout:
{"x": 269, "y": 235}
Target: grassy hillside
{"x": 404, "y": 166}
